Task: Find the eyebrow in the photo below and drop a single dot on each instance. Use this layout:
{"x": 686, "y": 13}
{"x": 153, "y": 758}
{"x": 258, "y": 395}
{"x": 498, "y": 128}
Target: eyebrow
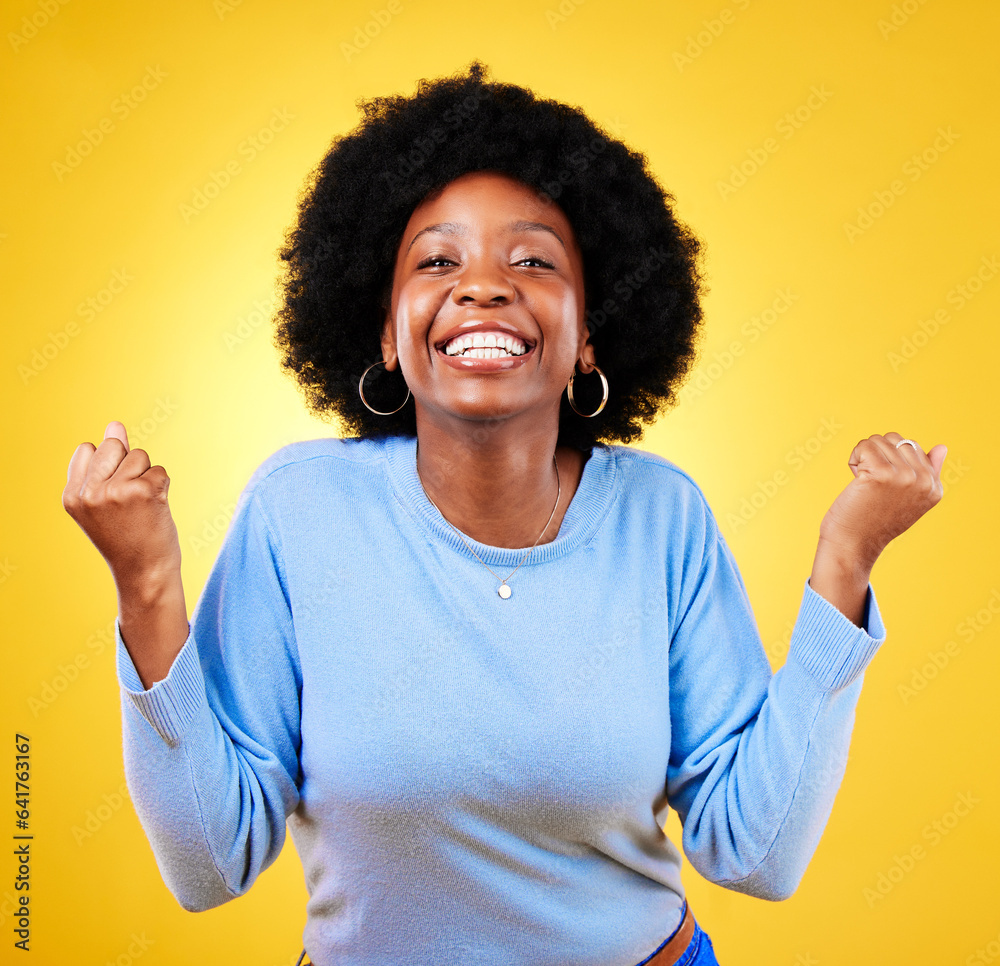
{"x": 455, "y": 228}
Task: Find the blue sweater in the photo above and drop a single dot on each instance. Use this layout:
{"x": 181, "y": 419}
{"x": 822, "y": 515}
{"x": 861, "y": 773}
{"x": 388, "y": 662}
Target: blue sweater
{"x": 473, "y": 779}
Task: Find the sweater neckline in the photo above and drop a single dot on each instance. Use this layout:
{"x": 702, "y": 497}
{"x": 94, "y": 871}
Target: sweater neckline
{"x": 586, "y": 511}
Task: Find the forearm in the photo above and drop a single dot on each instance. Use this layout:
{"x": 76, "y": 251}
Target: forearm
{"x": 756, "y": 790}
{"x": 164, "y": 790}
{"x": 152, "y": 617}
{"x": 842, "y": 577}
{"x": 782, "y": 818}
{"x": 214, "y": 814}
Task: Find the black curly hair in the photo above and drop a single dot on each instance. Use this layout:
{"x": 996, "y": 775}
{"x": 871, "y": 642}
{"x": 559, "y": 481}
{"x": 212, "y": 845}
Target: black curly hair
{"x": 641, "y": 276}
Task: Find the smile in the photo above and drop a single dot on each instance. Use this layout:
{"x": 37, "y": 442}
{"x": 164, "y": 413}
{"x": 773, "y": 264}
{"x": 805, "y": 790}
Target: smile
{"x": 487, "y": 345}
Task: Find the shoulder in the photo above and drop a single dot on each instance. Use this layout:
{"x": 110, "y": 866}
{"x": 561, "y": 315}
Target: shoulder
{"x": 664, "y": 500}
{"x": 315, "y": 462}
{"x": 642, "y": 470}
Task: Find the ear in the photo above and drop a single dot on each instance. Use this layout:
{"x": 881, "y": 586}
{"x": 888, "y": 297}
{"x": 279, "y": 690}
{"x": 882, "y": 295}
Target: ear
{"x": 586, "y": 360}
{"x": 389, "y": 342}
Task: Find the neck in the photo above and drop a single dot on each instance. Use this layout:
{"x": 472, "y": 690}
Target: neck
{"x": 496, "y": 486}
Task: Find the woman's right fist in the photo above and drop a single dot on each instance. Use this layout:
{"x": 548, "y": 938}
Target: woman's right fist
{"x": 120, "y": 502}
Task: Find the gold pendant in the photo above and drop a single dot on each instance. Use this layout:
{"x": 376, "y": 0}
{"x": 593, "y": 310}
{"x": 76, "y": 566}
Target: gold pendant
{"x": 504, "y": 590}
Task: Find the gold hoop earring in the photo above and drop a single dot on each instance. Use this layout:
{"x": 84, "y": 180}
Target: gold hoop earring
{"x": 361, "y": 391}
{"x": 569, "y": 393}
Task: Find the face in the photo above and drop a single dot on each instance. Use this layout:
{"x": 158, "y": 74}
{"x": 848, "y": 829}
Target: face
{"x": 487, "y": 258}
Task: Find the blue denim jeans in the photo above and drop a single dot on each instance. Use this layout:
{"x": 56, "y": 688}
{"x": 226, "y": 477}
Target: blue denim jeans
{"x": 699, "y": 951}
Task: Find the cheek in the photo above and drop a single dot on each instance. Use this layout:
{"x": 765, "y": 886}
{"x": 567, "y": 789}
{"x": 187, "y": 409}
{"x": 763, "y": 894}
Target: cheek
{"x": 565, "y": 308}
{"x": 416, "y": 307}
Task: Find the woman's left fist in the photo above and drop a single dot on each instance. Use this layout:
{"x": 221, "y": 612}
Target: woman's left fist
{"x": 893, "y": 487}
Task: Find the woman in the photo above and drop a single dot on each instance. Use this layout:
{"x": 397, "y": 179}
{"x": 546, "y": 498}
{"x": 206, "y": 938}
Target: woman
{"x": 472, "y": 653}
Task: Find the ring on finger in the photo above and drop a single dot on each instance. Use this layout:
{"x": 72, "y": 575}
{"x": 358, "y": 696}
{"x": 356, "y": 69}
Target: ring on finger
{"x": 911, "y": 442}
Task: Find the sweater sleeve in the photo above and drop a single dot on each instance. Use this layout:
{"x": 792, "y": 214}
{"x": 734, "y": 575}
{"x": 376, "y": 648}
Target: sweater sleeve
{"x": 212, "y": 750}
{"x": 756, "y": 759}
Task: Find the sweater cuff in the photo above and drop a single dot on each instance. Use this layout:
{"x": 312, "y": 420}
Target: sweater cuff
{"x": 170, "y": 704}
{"x": 831, "y": 646}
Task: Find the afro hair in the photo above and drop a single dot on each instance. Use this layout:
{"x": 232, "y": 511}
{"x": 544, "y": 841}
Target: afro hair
{"x": 641, "y": 275}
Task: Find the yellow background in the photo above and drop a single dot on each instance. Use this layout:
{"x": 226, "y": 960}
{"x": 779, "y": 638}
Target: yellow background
{"x": 163, "y": 356}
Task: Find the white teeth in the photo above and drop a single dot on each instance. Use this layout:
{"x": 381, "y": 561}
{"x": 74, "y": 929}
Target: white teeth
{"x": 492, "y": 345}
{"x": 485, "y": 352}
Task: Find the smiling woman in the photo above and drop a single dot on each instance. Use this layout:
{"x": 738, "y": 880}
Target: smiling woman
{"x": 638, "y": 264}
{"x": 478, "y": 768}
{"x": 477, "y": 267}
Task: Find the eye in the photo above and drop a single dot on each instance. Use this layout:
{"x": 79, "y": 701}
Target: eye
{"x": 535, "y": 258}
{"x": 433, "y": 260}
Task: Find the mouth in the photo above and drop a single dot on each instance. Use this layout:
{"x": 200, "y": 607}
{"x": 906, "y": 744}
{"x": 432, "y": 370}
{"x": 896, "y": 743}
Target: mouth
{"x": 485, "y": 345}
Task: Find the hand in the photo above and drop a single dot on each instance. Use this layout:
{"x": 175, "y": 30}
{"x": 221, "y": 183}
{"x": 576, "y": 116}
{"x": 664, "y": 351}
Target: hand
{"x": 120, "y": 502}
{"x": 892, "y": 488}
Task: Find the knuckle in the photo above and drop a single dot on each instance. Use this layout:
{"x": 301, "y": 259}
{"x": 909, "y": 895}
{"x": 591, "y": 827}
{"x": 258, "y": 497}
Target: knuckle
{"x": 90, "y": 499}
{"x": 115, "y": 495}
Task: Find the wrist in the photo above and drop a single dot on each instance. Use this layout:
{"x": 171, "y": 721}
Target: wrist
{"x": 152, "y": 617}
{"x": 846, "y": 554}
{"x": 148, "y": 589}
{"x": 841, "y": 576}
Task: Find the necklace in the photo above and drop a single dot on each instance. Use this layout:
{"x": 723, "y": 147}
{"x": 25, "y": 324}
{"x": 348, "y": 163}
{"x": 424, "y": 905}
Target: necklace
{"x": 503, "y": 590}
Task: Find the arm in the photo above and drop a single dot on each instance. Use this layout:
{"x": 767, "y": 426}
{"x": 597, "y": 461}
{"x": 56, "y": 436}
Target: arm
{"x": 757, "y": 760}
{"x": 893, "y": 486}
{"x": 210, "y": 710}
{"x": 120, "y": 502}
{"x": 211, "y": 750}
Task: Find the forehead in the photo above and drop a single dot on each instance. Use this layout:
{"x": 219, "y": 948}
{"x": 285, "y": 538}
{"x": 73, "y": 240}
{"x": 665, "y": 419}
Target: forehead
{"x": 487, "y": 197}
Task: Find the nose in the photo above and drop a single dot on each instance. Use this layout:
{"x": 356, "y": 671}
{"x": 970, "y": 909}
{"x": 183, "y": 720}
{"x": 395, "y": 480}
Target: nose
{"x": 483, "y": 282}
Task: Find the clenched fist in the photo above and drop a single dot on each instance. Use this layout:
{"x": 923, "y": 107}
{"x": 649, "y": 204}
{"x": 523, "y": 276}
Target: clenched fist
{"x": 893, "y": 486}
{"x": 120, "y": 502}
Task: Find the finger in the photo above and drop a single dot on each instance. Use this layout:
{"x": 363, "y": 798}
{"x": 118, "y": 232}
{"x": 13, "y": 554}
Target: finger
{"x": 895, "y": 438}
{"x": 116, "y": 430}
{"x": 867, "y": 455}
{"x": 936, "y": 456}
{"x": 158, "y": 479}
{"x": 919, "y": 461}
{"x": 912, "y": 456}
{"x": 134, "y": 464}
{"x": 105, "y": 461}
{"x": 76, "y": 472}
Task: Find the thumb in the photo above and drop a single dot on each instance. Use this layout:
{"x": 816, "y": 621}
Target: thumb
{"x": 936, "y": 456}
{"x": 116, "y": 430}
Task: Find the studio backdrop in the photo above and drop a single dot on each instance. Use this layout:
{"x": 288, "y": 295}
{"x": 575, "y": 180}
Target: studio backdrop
{"x": 839, "y": 164}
